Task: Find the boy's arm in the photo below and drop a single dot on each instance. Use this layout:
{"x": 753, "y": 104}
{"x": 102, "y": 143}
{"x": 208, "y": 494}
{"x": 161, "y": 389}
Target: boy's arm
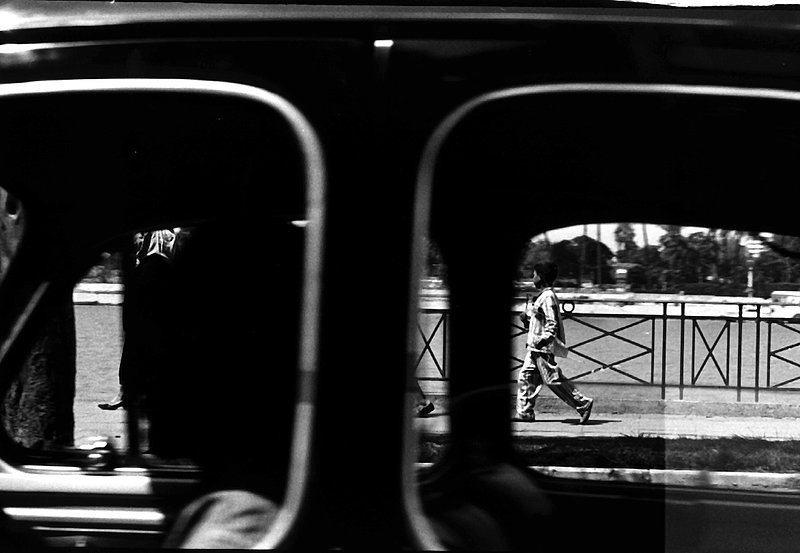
{"x": 526, "y": 314}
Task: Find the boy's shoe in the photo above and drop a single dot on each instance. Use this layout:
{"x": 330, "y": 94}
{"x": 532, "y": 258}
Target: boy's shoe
{"x": 586, "y": 412}
{"x": 425, "y": 409}
{"x": 524, "y": 418}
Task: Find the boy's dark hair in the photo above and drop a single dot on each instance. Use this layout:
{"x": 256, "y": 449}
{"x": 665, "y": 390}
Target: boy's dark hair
{"x": 548, "y": 271}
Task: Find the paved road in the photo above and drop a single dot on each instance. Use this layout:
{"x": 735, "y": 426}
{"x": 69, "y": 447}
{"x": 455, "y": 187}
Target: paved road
{"x": 99, "y": 337}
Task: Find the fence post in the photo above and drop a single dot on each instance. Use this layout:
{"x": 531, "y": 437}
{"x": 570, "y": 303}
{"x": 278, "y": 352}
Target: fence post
{"x": 769, "y": 352}
{"x": 444, "y": 344}
{"x": 727, "y": 352}
{"x": 652, "y": 350}
{"x": 664, "y": 352}
{"x": 683, "y": 321}
{"x": 739, "y": 358}
{"x": 694, "y": 349}
{"x": 758, "y": 348}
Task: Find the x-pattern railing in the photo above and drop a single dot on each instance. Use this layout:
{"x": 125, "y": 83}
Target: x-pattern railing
{"x": 776, "y": 354}
{"x": 427, "y": 339}
{"x": 613, "y": 365}
{"x": 706, "y": 342}
{"x": 697, "y": 330}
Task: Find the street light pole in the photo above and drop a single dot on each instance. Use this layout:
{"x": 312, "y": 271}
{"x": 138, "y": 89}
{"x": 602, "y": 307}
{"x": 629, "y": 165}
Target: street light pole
{"x": 754, "y": 247}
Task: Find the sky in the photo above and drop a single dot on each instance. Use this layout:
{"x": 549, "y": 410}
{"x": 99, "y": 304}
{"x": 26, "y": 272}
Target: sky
{"x": 654, "y": 232}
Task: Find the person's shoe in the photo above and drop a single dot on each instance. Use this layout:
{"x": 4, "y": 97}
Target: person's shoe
{"x": 425, "y": 409}
{"x": 586, "y": 412}
{"x": 524, "y": 418}
{"x": 112, "y": 405}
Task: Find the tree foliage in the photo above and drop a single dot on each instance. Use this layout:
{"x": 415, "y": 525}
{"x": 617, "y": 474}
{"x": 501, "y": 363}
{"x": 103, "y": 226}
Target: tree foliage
{"x": 580, "y": 258}
{"x": 708, "y": 262}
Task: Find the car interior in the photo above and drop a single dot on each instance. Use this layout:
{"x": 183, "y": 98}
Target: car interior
{"x": 301, "y": 160}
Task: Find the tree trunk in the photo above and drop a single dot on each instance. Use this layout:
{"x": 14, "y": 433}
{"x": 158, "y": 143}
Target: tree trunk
{"x": 38, "y": 406}
{"x": 37, "y": 410}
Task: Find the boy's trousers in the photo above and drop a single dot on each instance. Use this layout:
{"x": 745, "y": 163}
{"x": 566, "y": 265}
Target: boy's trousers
{"x": 538, "y": 369}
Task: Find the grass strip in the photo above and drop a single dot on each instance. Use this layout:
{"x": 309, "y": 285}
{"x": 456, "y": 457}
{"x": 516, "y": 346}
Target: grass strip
{"x": 645, "y": 452}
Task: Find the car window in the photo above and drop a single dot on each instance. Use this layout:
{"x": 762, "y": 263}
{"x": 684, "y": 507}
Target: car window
{"x": 668, "y": 325}
{"x": 430, "y": 391}
{"x": 98, "y": 299}
{"x": 691, "y": 321}
{"x": 133, "y": 333}
{"x": 684, "y": 337}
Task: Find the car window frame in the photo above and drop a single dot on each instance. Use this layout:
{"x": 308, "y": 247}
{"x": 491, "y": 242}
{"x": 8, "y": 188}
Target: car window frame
{"x": 134, "y": 480}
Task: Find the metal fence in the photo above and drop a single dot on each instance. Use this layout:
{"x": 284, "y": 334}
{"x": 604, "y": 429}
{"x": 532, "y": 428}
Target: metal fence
{"x": 671, "y": 345}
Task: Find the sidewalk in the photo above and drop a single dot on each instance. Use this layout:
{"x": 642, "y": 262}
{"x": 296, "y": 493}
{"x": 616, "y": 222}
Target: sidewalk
{"x": 618, "y": 411}
{"x": 640, "y": 424}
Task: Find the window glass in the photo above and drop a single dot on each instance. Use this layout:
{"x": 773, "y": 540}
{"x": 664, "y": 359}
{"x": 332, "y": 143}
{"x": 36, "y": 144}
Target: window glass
{"x": 85, "y": 340}
{"x": 149, "y": 328}
{"x": 686, "y": 338}
{"x": 176, "y": 234}
{"x": 98, "y": 300}
{"x": 430, "y": 353}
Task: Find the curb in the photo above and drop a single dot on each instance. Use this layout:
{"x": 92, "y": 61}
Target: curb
{"x": 97, "y": 293}
{"x": 691, "y": 478}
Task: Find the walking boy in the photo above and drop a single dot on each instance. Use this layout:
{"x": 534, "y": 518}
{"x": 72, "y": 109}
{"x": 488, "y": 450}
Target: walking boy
{"x": 546, "y": 341}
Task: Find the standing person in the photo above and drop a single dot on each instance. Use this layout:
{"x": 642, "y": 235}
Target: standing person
{"x": 546, "y": 341}
{"x": 130, "y": 262}
{"x": 146, "y": 319}
{"x": 150, "y": 331}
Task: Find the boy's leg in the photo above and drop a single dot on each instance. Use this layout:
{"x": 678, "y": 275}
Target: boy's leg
{"x": 563, "y": 388}
{"x": 529, "y": 384}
